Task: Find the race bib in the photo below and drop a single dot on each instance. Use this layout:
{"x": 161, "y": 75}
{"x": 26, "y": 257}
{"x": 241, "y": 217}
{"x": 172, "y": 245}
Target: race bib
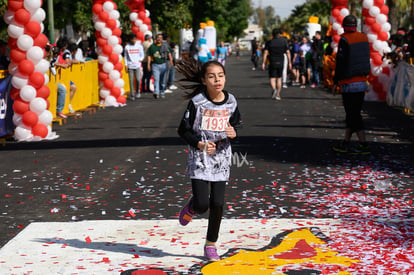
{"x": 215, "y": 120}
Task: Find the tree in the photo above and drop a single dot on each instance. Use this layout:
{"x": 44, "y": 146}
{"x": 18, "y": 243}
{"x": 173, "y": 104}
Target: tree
{"x": 269, "y": 20}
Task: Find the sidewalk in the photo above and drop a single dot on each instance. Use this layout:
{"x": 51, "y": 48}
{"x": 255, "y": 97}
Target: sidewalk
{"x": 104, "y": 197}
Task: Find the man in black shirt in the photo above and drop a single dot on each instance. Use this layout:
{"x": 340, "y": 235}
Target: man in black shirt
{"x": 275, "y": 49}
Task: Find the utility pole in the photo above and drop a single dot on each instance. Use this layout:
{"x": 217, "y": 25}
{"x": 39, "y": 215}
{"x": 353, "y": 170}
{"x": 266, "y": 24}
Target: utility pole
{"x": 51, "y": 21}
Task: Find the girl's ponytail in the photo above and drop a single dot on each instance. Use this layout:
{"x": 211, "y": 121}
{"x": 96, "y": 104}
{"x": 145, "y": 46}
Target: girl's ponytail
{"x": 191, "y": 70}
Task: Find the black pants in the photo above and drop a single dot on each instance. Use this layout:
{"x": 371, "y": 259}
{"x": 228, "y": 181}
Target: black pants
{"x": 146, "y": 78}
{"x": 353, "y": 107}
{"x": 209, "y": 195}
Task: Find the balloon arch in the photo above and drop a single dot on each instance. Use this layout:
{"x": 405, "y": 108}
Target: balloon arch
{"x": 377, "y": 28}
{"x": 29, "y": 68}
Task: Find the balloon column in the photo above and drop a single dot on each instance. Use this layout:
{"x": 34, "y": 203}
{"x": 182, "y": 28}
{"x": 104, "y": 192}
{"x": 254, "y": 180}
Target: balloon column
{"x": 141, "y": 23}
{"x": 339, "y": 11}
{"x": 28, "y": 67}
{"x": 108, "y": 39}
{"x": 377, "y": 29}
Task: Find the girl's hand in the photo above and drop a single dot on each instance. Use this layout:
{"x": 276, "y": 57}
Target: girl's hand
{"x": 230, "y": 132}
{"x": 209, "y": 147}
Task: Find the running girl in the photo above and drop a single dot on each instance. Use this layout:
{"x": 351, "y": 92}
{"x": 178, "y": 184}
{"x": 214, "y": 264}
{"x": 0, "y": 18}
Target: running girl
{"x": 208, "y": 124}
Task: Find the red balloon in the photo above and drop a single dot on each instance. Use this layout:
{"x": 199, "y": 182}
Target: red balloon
{"x": 378, "y": 3}
{"x": 103, "y": 16}
{"x": 142, "y": 15}
{"x": 336, "y": 38}
{"x": 101, "y": 42}
{"x": 108, "y": 84}
{"x": 37, "y": 80}
{"x": 115, "y": 92}
{"x": 111, "y": 23}
{"x": 365, "y": 12}
{"x": 369, "y": 20}
{"x": 32, "y": 28}
{"x": 20, "y": 106}
{"x": 97, "y": 34}
{"x": 43, "y": 92}
{"x": 140, "y": 36}
{"x": 386, "y": 70}
{"x": 117, "y": 32}
{"x": 107, "y": 50}
{"x": 149, "y": 26}
{"x": 12, "y": 43}
{"x": 47, "y": 104}
{"x": 14, "y": 93}
{"x": 14, "y": 5}
{"x": 336, "y": 3}
{"x": 97, "y": 8}
{"x": 147, "y": 21}
{"x": 376, "y": 59}
{"x": 384, "y": 9}
{"x": 336, "y": 13}
{"x": 376, "y": 28}
{"x": 40, "y": 130}
{"x": 26, "y": 67}
{"x": 30, "y": 118}
{"x": 16, "y": 55}
{"x": 114, "y": 58}
{"x": 121, "y": 99}
{"x": 135, "y": 29}
{"x": 40, "y": 40}
{"x": 383, "y": 36}
{"x": 119, "y": 66}
{"x": 22, "y": 17}
{"x": 340, "y": 19}
{"x": 102, "y": 76}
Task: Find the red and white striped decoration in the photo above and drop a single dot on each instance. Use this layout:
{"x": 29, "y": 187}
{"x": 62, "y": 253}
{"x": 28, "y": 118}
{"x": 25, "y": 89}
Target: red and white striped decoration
{"x": 28, "y": 67}
{"x": 108, "y": 38}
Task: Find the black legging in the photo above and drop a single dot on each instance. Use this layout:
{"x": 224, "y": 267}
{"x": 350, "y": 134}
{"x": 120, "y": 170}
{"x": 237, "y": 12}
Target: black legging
{"x": 203, "y": 199}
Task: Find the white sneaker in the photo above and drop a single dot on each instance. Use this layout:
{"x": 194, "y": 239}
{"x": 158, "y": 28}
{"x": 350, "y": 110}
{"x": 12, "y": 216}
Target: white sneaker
{"x": 168, "y": 91}
{"x": 285, "y": 86}
{"x": 71, "y": 109}
{"x": 274, "y": 93}
{"x": 173, "y": 87}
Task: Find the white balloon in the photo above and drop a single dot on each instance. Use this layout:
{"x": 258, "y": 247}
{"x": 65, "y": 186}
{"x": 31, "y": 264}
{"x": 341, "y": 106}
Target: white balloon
{"x": 12, "y": 68}
{"x": 108, "y": 6}
{"x": 24, "y": 42}
{"x": 38, "y": 105}
{"x": 22, "y": 133}
{"x": 133, "y": 16}
{"x": 114, "y": 14}
{"x": 340, "y": 31}
{"x": 103, "y": 93}
{"x": 336, "y": 26}
{"x": 143, "y": 28}
{"x": 114, "y": 75}
{"x": 108, "y": 67}
{"x": 35, "y": 54}
{"x": 366, "y": 29}
{"x": 386, "y": 27}
{"x": 8, "y": 17}
{"x": 39, "y": 15}
{"x": 32, "y": 5}
{"x": 376, "y": 70}
{"x": 372, "y": 37}
{"x": 102, "y": 59}
{"x": 113, "y": 40}
{"x": 42, "y": 66}
{"x": 138, "y": 22}
{"x": 46, "y": 117}
{"x": 18, "y": 80}
{"x": 106, "y": 32}
{"x": 374, "y": 11}
{"x": 42, "y": 27}
{"x": 122, "y": 91}
{"x": 344, "y": 12}
{"x": 120, "y": 83}
{"x": 110, "y": 101}
{"x": 15, "y": 31}
{"x": 28, "y": 93}
{"x": 117, "y": 49}
{"x": 17, "y": 119}
{"x": 147, "y": 13}
{"x": 99, "y": 26}
{"x": 368, "y": 3}
{"x": 381, "y": 18}
{"x": 46, "y": 78}
{"x": 377, "y": 45}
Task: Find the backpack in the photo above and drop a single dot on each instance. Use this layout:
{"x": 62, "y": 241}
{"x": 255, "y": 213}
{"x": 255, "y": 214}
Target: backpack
{"x": 164, "y": 50}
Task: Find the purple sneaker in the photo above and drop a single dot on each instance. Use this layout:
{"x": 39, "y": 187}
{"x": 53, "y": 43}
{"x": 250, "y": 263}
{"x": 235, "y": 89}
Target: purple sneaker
{"x": 186, "y": 214}
{"x": 210, "y": 252}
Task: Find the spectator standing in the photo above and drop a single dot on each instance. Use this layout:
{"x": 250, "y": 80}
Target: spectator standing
{"x": 295, "y": 61}
{"x": 134, "y": 54}
{"x": 351, "y": 72}
{"x": 275, "y": 49}
{"x": 146, "y": 79}
{"x": 316, "y": 61}
{"x": 306, "y": 52}
{"x": 158, "y": 56}
{"x": 255, "y": 58}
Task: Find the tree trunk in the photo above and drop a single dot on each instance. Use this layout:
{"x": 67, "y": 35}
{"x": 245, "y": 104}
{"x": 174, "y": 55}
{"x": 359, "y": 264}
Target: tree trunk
{"x": 393, "y": 15}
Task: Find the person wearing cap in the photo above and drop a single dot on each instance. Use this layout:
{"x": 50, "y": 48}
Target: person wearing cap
{"x": 351, "y": 72}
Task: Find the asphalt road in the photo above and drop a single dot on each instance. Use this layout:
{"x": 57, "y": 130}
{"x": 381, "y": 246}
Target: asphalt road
{"x": 117, "y": 159}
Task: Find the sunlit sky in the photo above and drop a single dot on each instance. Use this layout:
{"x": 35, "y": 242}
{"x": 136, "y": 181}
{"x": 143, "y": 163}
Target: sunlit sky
{"x": 282, "y": 8}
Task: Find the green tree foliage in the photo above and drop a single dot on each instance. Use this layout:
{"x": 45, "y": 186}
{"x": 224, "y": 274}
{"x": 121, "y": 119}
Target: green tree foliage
{"x": 269, "y": 20}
